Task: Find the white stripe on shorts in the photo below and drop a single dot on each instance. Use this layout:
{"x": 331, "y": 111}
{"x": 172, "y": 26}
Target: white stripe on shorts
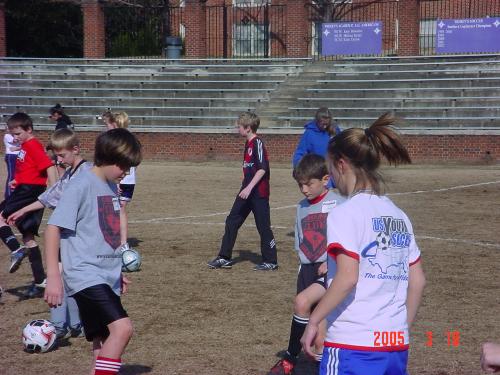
{"x": 332, "y": 366}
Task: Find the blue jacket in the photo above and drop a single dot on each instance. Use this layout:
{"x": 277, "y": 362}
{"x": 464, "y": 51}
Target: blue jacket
{"x": 313, "y": 141}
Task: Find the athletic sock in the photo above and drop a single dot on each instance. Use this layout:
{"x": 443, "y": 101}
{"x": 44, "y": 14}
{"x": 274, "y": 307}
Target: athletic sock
{"x": 107, "y": 366}
{"x": 9, "y": 239}
{"x": 35, "y": 257}
{"x": 294, "y": 347}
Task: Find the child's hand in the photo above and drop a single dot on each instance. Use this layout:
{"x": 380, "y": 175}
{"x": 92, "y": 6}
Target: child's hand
{"x": 245, "y": 193}
{"x": 12, "y": 184}
{"x": 125, "y": 283}
{"x": 323, "y": 269}
{"x": 11, "y": 220}
{"x": 53, "y": 291}
{"x": 490, "y": 357}
{"x": 307, "y": 339}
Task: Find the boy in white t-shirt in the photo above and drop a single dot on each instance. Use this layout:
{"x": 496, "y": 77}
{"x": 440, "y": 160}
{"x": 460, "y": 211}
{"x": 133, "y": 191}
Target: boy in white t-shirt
{"x": 375, "y": 275}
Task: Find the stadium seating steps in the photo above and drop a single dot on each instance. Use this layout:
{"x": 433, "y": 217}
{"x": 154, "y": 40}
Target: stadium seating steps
{"x": 453, "y": 93}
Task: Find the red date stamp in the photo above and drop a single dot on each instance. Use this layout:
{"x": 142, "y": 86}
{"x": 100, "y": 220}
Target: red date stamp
{"x": 452, "y": 338}
{"x": 388, "y": 338}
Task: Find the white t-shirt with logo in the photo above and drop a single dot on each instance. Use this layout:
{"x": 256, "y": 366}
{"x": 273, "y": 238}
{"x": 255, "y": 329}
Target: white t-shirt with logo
{"x": 374, "y": 231}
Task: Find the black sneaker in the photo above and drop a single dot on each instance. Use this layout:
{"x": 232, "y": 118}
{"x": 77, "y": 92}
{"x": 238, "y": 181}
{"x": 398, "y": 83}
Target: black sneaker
{"x": 220, "y": 262}
{"x": 16, "y": 258}
{"x": 76, "y": 331}
{"x": 266, "y": 267}
{"x": 62, "y": 333}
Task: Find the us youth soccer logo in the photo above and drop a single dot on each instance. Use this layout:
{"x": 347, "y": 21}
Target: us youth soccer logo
{"x": 389, "y": 251}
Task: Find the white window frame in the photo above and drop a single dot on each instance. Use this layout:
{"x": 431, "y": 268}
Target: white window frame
{"x": 254, "y": 43}
{"x": 250, "y": 3}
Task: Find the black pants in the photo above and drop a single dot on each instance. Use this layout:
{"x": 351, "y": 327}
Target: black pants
{"x": 239, "y": 212}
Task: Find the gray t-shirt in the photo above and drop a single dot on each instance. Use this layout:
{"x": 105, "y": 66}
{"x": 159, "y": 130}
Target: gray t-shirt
{"x": 310, "y": 227}
{"x": 88, "y": 214}
{"x": 50, "y": 197}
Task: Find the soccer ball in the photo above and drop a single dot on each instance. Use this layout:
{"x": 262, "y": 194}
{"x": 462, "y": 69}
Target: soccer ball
{"x": 131, "y": 260}
{"x": 384, "y": 241}
{"x": 39, "y": 336}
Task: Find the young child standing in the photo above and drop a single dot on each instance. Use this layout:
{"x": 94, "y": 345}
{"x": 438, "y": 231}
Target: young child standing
{"x": 11, "y": 150}
{"x": 127, "y": 185}
{"x": 86, "y": 223}
{"x": 66, "y": 147}
{"x": 33, "y": 168}
{"x": 375, "y": 275}
{"x": 312, "y": 176}
{"x": 252, "y": 197}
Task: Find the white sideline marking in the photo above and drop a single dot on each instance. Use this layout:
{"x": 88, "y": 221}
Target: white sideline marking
{"x": 294, "y": 205}
{"x": 474, "y": 243}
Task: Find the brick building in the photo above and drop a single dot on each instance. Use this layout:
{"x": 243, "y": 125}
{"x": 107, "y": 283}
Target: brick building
{"x": 283, "y": 28}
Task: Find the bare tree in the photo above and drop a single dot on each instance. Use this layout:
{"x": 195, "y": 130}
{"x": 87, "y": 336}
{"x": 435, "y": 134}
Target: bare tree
{"x": 335, "y": 10}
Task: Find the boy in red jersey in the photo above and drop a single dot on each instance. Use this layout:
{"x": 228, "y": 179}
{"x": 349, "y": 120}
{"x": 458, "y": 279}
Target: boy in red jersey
{"x": 33, "y": 167}
{"x": 252, "y": 197}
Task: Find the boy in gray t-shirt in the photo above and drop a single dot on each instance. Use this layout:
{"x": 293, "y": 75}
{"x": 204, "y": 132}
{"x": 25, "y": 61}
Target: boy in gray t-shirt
{"x": 312, "y": 176}
{"x": 86, "y": 223}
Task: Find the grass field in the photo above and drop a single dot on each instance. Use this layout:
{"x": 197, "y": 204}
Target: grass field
{"x": 191, "y": 320}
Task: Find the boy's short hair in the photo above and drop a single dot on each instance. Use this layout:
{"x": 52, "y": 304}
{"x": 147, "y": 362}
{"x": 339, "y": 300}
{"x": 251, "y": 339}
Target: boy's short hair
{"x": 108, "y": 116}
{"x": 63, "y": 139}
{"x": 309, "y": 167}
{"x": 249, "y": 120}
{"x": 117, "y": 147}
{"x": 20, "y": 120}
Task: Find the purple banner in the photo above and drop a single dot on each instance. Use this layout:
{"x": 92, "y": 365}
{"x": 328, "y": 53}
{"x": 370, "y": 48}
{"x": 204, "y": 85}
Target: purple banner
{"x": 468, "y": 35}
{"x": 351, "y": 38}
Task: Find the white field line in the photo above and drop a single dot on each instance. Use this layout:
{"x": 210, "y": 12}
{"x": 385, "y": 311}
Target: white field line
{"x": 456, "y": 240}
{"x": 161, "y": 219}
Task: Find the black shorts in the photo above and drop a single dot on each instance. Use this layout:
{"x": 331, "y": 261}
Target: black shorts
{"x": 308, "y": 275}
{"x": 98, "y": 306}
{"x": 22, "y": 196}
{"x": 127, "y": 191}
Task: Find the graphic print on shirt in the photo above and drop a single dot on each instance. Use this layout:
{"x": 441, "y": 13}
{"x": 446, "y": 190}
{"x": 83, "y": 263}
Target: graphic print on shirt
{"x": 21, "y": 155}
{"x": 313, "y": 243}
{"x": 109, "y": 220}
{"x": 389, "y": 251}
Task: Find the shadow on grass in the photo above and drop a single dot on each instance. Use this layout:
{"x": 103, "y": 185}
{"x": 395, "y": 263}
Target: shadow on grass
{"x": 134, "y": 369}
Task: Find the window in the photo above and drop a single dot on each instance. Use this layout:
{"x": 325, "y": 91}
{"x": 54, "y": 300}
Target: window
{"x": 315, "y": 38}
{"x": 250, "y": 39}
{"x": 427, "y": 36}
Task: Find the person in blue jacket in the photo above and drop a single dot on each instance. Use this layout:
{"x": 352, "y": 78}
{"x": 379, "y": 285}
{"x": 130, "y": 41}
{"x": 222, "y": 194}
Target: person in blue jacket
{"x": 316, "y": 136}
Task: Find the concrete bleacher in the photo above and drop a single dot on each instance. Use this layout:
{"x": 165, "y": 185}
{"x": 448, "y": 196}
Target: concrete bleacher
{"x": 154, "y": 93}
{"x": 461, "y": 92}
{"x": 431, "y": 93}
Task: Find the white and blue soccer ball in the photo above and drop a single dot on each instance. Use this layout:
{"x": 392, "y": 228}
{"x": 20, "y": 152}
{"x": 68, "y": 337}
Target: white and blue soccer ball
{"x": 383, "y": 241}
{"x": 131, "y": 260}
{"x": 39, "y": 336}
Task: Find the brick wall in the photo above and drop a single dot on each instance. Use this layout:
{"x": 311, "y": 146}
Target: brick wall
{"x": 3, "y": 31}
{"x": 194, "y": 21}
{"x": 214, "y": 146}
{"x": 94, "y": 35}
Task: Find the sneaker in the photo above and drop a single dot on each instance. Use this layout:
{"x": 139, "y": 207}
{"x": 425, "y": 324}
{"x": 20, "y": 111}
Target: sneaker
{"x": 16, "y": 258}
{"x": 266, "y": 267}
{"x": 76, "y": 331}
{"x": 282, "y": 367}
{"x": 219, "y": 262}
{"x": 62, "y": 333}
{"x": 36, "y": 290}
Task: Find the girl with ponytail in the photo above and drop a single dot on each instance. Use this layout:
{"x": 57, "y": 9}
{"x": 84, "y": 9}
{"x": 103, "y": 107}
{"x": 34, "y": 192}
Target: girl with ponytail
{"x": 375, "y": 276}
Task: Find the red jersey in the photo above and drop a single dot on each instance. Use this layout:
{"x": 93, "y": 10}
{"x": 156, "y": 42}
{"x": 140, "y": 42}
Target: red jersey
{"x": 32, "y": 163}
{"x": 255, "y": 158}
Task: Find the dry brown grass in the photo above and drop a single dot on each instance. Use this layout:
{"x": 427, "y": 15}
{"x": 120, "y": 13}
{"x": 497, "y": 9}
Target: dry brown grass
{"x": 191, "y": 320}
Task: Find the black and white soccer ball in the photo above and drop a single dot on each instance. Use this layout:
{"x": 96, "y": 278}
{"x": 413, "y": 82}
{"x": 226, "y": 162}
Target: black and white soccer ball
{"x": 131, "y": 260}
{"x": 39, "y": 336}
{"x": 383, "y": 241}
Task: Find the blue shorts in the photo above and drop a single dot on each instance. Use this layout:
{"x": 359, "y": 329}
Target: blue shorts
{"x": 338, "y": 361}
{"x": 127, "y": 191}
